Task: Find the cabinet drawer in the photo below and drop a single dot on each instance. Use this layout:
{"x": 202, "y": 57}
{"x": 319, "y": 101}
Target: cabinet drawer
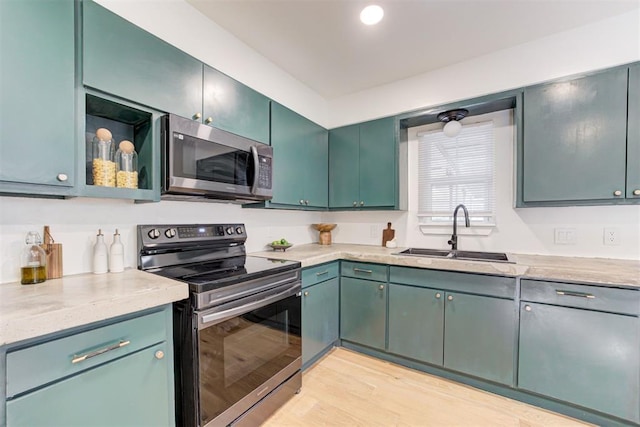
{"x": 43, "y": 363}
{"x": 614, "y": 300}
{"x": 497, "y": 286}
{"x": 362, "y": 270}
{"x": 319, "y": 273}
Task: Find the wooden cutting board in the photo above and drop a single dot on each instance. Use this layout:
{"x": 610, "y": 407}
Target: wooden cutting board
{"x": 388, "y": 234}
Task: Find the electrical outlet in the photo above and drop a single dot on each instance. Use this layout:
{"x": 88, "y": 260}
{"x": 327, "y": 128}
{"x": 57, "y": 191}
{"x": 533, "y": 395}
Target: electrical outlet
{"x": 374, "y": 231}
{"x": 611, "y": 236}
{"x": 565, "y": 236}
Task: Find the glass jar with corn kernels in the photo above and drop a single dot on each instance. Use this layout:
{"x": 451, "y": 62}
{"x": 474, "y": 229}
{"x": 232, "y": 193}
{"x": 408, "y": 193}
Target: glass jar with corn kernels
{"x": 104, "y": 166}
{"x": 126, "y": 165}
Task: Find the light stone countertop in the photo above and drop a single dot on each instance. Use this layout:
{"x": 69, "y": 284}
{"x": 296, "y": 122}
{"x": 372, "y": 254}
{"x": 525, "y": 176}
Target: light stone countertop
{"x": 28, "y": 311}
{"x": 603, "y": 271}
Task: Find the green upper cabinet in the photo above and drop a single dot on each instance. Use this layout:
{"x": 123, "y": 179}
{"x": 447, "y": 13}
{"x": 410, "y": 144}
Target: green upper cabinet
{"x": 633, "y": 134}
{"x": 234, "y": 107}
{"x": 37, "y": 61}
{"x": 363, "y": 308}
{"x": 300, "y": 151}
{"x": 363, "y": 165}
{"x": 574, "y": 140}
{"x": 344, "y": 167}
{"x": 122, "y": 59}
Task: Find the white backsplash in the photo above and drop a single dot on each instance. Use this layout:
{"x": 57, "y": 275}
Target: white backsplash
{"x": 75, "y": 223}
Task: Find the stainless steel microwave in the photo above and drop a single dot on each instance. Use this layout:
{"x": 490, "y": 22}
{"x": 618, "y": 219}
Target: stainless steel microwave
{"x": 200, "y": 160}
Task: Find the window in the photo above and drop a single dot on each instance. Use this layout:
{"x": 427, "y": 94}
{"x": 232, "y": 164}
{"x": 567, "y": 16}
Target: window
{"x": 456, "y": 170}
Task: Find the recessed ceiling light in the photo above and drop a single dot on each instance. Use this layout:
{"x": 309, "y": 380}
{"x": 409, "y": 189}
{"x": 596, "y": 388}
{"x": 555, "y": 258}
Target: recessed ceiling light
{"x": 371, "y": 15}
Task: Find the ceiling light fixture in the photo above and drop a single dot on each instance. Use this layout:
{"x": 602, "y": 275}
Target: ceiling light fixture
{"x": 452, "y": 119}
{"x": 371, "y": 14}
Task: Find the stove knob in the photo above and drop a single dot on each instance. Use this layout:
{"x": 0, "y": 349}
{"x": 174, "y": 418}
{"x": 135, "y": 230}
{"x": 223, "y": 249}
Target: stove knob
{"x": 154, "y": 233}
{"x": 238, "y": 230}
{"x": 229, "y": 230}
{"x": 170, "y": 232}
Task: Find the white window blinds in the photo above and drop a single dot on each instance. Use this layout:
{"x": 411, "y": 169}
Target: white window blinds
{"x": 456, "y": 170}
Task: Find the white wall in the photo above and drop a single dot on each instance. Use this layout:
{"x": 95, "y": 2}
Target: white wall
{"x": 603, "y": 44}
{"x": 528, "y": 230}
{"x": 75, "y": 222}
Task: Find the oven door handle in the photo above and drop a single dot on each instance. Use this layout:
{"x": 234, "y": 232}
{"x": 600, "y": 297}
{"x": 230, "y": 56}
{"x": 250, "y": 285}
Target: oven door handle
{"x": 256, "y": 169}
{"x": 206, "y": 320}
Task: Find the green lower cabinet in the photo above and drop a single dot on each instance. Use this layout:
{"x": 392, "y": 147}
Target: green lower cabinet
{"x": 320, "y": 305}
{"x": 480, "y": 336}
{"x": 363, "y": 307}
{"x": 584, "y": 357}
{"x": 131, "y": 391}
{"x": 416, "y": 323}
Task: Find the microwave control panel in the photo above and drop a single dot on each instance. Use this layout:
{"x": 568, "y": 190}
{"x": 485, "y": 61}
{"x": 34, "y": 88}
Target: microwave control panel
{"x": 265, "y": 172}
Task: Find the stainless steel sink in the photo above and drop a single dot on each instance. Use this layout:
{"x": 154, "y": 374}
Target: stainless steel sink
{"x": 463, "y": 255}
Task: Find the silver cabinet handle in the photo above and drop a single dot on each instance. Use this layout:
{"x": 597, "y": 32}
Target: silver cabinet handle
{"x": 617, "y": 193}
{"x": 575, "y": 294}
{"x": 438, "y": 295}
{"x": 197, "y": 116}
{"x": 450, "y": 298}
{"x": 306, "y": 293}
{"x": 322, "y": 273}
{"x": 208, "y": 120}
{"x": 62, "y": 177}
{"x": 302, "y": 202}
{"x": 360, "y": 270}
{"x": 636, "y": 192}
{"x": 361, "y": 203}
{"x": 527, "y": 308}
{"x": 159, "y": 354}
{"x": 77, "y": 359}
{"x": 381, "y": 287}
{"x": 306, "y": 202}
{"x": 355, "y": 204}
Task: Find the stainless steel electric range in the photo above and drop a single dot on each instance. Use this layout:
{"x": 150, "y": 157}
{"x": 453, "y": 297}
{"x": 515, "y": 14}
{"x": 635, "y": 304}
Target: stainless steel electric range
{"x": 238, "y": 337}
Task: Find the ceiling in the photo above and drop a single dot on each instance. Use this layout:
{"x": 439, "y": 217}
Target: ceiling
{"x": 323, "y": 44}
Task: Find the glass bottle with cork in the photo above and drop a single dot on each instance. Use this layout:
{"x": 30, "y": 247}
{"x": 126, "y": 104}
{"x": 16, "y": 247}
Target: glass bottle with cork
{"x": 127, "y": 165}
{"x": 33, "y": 261}
{"x": 104, "y": 168}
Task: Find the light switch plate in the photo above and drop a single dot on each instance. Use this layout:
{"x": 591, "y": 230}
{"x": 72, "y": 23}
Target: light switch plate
{"x": 565, "y": 236}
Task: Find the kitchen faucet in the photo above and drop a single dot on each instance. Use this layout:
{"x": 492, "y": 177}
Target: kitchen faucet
{"x": 454, "y": 237}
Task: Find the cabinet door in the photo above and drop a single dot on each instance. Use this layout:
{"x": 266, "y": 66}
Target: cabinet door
{"x": 316, "y": 185}
{"x": 377, "y": 163}
{"x": 416, "y": 323}
{"x": 588, "y": 358}
{"x": 37, "y": 86}
{"x": 287, "y": 139}
{"x": 124, "y": 60}
{"x": 633, "y": 135}
{"x": 575, "y": 138}
{"x": 479, "y": 337}
{"x": 320, "y": 305}
{"x": 136, "y": 390}
{"x": 344, "y": 171}
{"x": 363, "y": 312}
{"x": 234, "y": 107}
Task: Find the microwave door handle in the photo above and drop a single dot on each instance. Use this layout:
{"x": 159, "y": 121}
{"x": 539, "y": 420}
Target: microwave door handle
{"x": 256, "y": 169}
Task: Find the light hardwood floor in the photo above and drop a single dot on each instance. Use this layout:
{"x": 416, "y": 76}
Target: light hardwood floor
{"x": 350, "y": 389}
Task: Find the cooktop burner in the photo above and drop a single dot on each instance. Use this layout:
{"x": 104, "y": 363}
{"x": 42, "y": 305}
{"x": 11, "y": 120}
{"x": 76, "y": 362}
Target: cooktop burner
{"x": 215, "y": 275}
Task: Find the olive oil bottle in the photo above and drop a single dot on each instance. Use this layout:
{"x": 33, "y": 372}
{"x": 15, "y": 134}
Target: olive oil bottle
{"x": 34, "y": 260}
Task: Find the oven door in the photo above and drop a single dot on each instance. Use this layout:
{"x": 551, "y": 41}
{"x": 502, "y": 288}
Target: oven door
{"x": 246, "y": 349}
{"x": 202, "y": 160}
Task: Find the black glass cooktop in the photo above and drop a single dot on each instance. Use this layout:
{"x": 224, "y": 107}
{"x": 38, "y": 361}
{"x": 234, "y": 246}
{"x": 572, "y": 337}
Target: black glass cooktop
{"x": 206, "y": 276}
